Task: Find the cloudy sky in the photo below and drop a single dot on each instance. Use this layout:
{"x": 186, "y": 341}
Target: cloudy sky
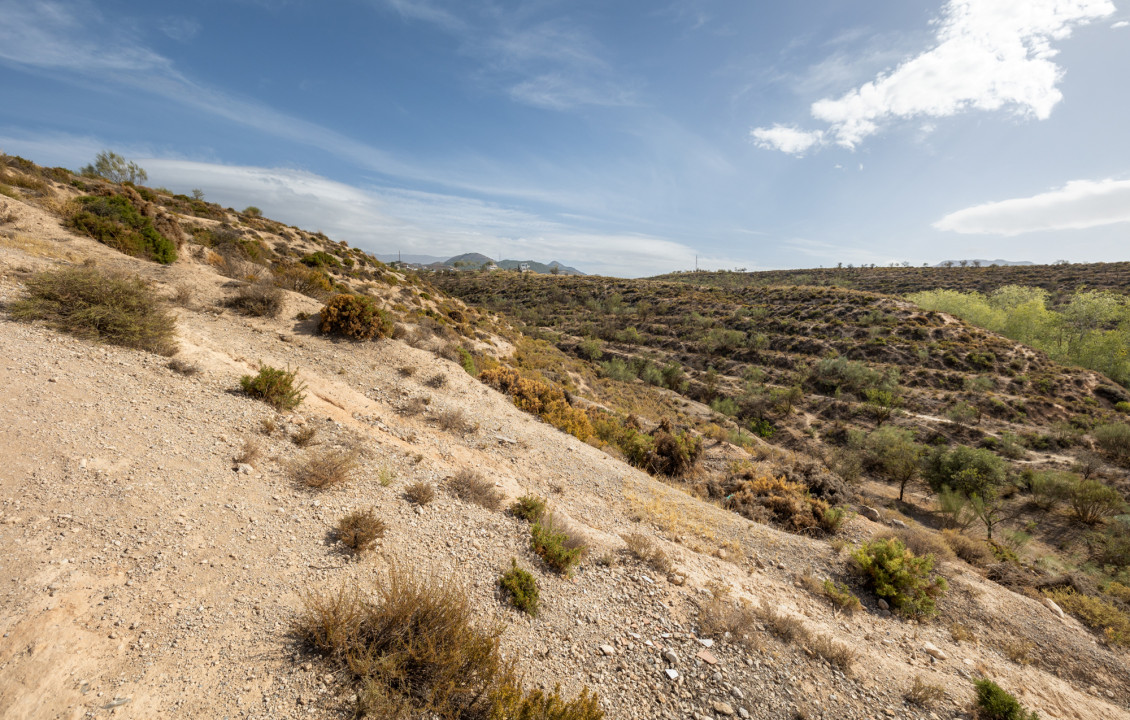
{"x": 624, "y": 138}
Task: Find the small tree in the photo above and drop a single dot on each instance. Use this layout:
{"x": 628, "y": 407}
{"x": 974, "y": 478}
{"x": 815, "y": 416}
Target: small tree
{"x": 113, "y": 167}
{"x": 197, "y": 194}
{"x": 894, "y": 454}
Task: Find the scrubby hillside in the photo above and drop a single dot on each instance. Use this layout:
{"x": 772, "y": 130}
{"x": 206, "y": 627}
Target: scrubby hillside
{"x": 1060, "y": 279}
{"x": 178, "y": 546}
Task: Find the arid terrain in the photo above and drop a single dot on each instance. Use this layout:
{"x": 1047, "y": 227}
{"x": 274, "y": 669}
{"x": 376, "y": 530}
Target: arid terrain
{"x": 162, "y": 540}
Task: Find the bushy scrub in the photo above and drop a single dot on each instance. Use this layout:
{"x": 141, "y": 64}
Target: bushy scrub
{"x": 559, "y": 546}
{"x": 528, "y": 507}
{"x": 115, "y": 222}
{"x": 354, "y": 316}
{"x": 540, "y": 398}
{"x": 901, "y": 578}
{"x": 278, "y": 388}
{"x": 520, "y": 589}
{"x": 105, "y": 306}
{"x": 994, "y": 703}
{"x": 1092, "y": 501}
{"x": 1114, "y": 440}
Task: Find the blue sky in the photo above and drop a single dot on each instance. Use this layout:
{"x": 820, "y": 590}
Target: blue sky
{"x": 622, "y": 138}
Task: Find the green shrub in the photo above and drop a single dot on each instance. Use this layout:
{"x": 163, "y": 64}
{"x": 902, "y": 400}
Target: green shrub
{"x": 320, "y": 259}
{"x": 993, "y": 703}
{"x": 969, "y": 471}
{"x": 1092, "y": 501}
{"x": 841, "y": 596}
{"x": 106, "y": 306}
{"x": 275, "y": 387}
{"x": 559, "y": 546}
{"x": 1050, "y": 488}
{"x": 528, "y": 507}
{"x": 1114, "y": 440}
{"x": 356, "y": 317}
{"x": 520, "y": 588}
{"x": 252, "y": 211}
{"x": 900, "y": 577}
{"x": 467, "y": 362}
{"x": 115, "y": 222}
{"x": 414, "y": 650}
{"x": 1123, "y": 407}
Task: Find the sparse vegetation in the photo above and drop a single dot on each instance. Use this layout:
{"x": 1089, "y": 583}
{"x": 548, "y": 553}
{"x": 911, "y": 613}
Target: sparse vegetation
{"x": 648, "y": 552}
{"x": 327, "y": 469}
{"x": 99, "y": 305}
{"x": 305, "y": 436}
{"x": 470, "y": 486}
{"x": 414, "y": 651}
{"x": 278, "y": 388}
{"x": 520, "y": 589}
{"x": 420, "y": 493}
{"x": 925, "y": 694}
{"x": 257, "y": 299}
{"x": 360, "y": 529}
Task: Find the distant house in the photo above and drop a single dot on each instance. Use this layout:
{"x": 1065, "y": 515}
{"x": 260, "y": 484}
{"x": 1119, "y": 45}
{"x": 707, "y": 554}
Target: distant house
{"x": 490, "y": 266}
{"x": 523, "y": 267}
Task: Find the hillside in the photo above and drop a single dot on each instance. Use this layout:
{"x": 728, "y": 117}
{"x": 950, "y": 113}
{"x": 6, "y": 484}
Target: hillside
{"x": 162, "y": 534}
{"x": 1058, "y": 280}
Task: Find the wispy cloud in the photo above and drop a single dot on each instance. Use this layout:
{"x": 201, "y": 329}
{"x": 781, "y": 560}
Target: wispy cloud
{"x": 550, "y": 63}
{"x": 1078, "y": 205}
{"x": 989, "y": 55}
{"x": 787, "y": 139}
{"x": 181, "y": 29}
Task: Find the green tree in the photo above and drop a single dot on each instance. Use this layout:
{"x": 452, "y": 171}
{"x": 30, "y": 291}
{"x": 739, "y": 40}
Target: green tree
{"x": 113, "y": 167}
{"x": 894, "y": 454}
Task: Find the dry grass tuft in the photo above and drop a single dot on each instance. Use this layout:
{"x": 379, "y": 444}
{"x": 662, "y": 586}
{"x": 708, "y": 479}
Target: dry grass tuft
{"x": 260, "y": 299}
{"x": 436, "y": 381}
{"x": 327, "y": 469}
{"x": 924, "y": 694}
{"x": 453, "y": 421}
{"x": 360, "y": 529}
{"x": 834, "y": 652}
{"x": 1018, "y": 650}
{"x": 306, "y": 437}
{"x": 34, "y": 246}
{"x": 420, "y": 493}
{"x": 250, "y": 452}
{"x": 415, "y": 406}
{"x": 184, "y": 367}
{"x": 468, "y": 485}
{"x": 720, "y": 615}
{"x": 414, "y": 651}
{"x": 647, "y": 551}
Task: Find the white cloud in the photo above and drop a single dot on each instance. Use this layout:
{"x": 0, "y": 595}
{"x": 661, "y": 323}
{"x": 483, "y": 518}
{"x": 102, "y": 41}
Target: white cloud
{"x": 382, "y": 219}
{"x": 990, "y": 55}
{"x": 787, "y": 139}
{"x": 1078, "y": 205}
{"x": 1120, "y": 24}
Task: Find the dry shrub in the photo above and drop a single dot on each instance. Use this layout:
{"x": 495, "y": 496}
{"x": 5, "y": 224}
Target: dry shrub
{"x": 786, "y": 627}
{"x": 420, "y": 493}
{"x": 183, "y": 295}
{"x": 327, "y": 469}
{"x": 962, "y": 633}
{"x": 184, "y": 367}
{"x": 99, "y": 305}
{"x": 1018, "y": 650}
{"x": 834, "y": 652}
{"x": 453, "y": 420}
{"x": 360, "y": 529}
{"x": 540, "y": 398}
{"x": 974, "y": 552}
{"x": 415, "y": 406}
{"x": 648, "y": 552}
{"x": 250, "y": 452}
{"x": 841, "y": 596}
{"x": 301, "y": 279}
{"x": 306, "y": 437}
{"x": 257, "y": 300}
{"x": 468, "y": 485}
{"x": 407, "y": 371}
{"x": 720, "y": 615}
{"x": 436, "y": 381}
{"x": 924, "y": 694}
{"x": 413, "y": 651}
{"x": 764, "y": 498}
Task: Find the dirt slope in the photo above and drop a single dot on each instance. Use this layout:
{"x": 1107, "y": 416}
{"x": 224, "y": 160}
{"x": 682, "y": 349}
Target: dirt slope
{"x": 145, "y": 574}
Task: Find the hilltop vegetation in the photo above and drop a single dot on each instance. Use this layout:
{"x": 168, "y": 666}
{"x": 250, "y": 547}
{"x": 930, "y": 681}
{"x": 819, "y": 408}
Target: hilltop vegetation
{"x": 1059, "y": 280}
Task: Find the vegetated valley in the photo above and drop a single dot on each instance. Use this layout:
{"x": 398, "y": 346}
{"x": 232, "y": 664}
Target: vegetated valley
{"x": 253, "y": 472}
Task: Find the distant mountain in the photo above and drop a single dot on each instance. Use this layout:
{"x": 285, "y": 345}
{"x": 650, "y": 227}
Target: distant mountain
{"x": 539, "y": 267}
{"x": 983, "y": 263}
{"x": 474, "y": 261}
